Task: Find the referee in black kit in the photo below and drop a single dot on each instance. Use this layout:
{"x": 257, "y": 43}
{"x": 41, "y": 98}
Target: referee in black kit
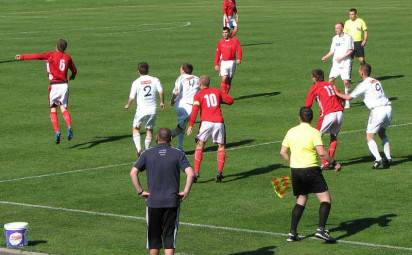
{"x": 163, "y": 164}
{"x": 305, "y": 144}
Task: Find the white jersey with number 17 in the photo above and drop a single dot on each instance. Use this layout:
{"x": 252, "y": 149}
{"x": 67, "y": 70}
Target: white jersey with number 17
{"x": 372, "y": 92}
{"x": 145, "y": 90}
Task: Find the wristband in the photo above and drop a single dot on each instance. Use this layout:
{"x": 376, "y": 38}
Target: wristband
{"x": 140, "y": 193}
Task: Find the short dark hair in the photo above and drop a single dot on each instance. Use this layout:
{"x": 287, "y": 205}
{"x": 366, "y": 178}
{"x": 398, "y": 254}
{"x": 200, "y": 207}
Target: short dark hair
{"x": 61, "y": 45}
{"x": 366, "y": 68}
{"x": 306, "y": 114}
{"x": 353, "y": 10}
{"x": 318, "y": 74}
{"x": 164, "y": 135}
{"x": 341, "y": 23}
{"x": 143, "y": 68}
{"x": 204, "y": 80}
{"x": 187, "y": 68}
{"x": 226, "y": 29}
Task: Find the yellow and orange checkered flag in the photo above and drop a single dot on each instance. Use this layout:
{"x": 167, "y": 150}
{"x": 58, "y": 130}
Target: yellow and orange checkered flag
{"x": 281, "y": 185}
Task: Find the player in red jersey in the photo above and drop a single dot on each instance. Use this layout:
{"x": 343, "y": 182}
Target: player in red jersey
{"x": 230, "y": 15}
{"x": 57, "y": 64}
{"x": 330, "y": 110}
{"x": 228, "y": 55}
{"x": 208, "y": 101}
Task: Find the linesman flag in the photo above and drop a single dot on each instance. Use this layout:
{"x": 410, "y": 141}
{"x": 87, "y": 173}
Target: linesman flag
{"x": 281, "y": 185}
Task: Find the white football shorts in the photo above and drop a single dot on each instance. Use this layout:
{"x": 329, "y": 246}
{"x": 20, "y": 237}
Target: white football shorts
{"x": 227, "y": 68}
{"x": 230, "y": 22}
{"x": 58, "y": 94}
{"x": 148, "y": 119}
{"x": 379, "y": 117}
{"x": 331, "y": 123}
{"x": 214, "y": 130}
{"x": 343, "y": 70}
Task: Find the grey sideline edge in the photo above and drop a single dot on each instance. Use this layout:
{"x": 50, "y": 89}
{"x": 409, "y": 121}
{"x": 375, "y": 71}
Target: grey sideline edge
{"x": 5, "y": 251}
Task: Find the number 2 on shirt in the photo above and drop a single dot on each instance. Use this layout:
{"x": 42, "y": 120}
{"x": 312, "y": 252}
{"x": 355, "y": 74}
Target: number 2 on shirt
{"x": 211, "y": 100}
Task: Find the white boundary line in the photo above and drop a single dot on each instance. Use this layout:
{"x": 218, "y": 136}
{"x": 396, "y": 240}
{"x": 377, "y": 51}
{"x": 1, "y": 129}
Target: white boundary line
{"x": 124, "y": 164}
{"x": 204, "y": 226}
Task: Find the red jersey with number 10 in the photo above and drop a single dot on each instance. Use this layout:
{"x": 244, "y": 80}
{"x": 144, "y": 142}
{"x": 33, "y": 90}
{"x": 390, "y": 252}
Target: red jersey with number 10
{"x": 208, "y": 101}
{"x": 324, "y": 93}
{"x": 57, "y": 65}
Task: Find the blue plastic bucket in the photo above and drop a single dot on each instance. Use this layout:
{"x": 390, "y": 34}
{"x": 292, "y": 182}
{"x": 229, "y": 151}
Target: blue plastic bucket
{"x": 16, "y": 234}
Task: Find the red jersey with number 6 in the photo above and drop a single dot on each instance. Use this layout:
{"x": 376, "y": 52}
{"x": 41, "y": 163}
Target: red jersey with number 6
{"x": 57, "y": 65}
{"x": 208, "y": 101}
{"x": 324, "y": 93}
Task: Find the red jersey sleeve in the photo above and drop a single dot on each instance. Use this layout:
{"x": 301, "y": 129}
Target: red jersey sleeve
{"x": 195, "y": 110}
{"x": 239, "y": 52}
{"x": 218, "y": 54}
{"x": 226, "y": 98}
{"x": 73, "y": 69}
{"x": 310, "y": 97}
{"x": 35, "y": 56}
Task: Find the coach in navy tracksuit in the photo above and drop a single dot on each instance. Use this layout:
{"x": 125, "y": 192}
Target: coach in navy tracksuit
{"x": 163, "y": 164}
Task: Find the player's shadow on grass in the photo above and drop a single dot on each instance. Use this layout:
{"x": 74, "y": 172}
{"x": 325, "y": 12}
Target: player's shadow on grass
{"x": 256, "y": 44}
{"x": 228, "y": 146}
{"x": 99, "y": 140}
{"x": 352, "y": 227}
{"x": 268, "y": 250}
{"x": 369, "y": 159}
{"x": 389, "y": 77}
{"x": 267, "y": 94}
{"x": 36, "y": 242}
{"x": 360, "y": 103}
{"x": 253, "y": 172}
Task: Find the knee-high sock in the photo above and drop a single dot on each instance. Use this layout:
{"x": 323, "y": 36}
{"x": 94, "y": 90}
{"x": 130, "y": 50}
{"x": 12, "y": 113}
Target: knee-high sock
{"x": 296, "y": 215}
{"x": 332, "y": 148}
{"x": 373, "y": 148}
{"x": 225, "y": 87}
{"x": 198, "y": 159}
{"x": 67, "y": 118}
{"x": 386, "y": 148}
{"x": 55, "y": 121}
{"x": 221, "y": 156}
{"x": 147, "y": 142}
{"x": 136, "y": 140}
{"x": 324, "y": 210}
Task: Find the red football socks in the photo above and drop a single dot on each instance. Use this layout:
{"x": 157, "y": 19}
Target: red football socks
{"x": 225, "y": 87}
{"x": 54, "y": 121}
{"x": 198, "y": 159}
{"x": 221, "y": 156}
{"x": 332, "y": 148}
{"x": 67, "y": 118}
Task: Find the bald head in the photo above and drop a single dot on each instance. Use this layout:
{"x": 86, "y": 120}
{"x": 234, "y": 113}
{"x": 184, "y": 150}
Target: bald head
{"x": 204, "y": 81}
{"x": 164, "y": 135}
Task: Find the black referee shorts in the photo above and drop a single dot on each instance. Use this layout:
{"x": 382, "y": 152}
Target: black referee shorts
{"x": 162, "y": 225}
{"x": 308, "y": 180}
{"x": 358, "y": 50}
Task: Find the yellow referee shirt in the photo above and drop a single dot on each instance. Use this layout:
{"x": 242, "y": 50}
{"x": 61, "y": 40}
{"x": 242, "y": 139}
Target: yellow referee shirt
{"x": 355, "y": 29}
{"x": 302, "y": 141}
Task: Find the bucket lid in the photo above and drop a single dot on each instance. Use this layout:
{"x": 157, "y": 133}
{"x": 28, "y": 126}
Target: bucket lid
{"x": 16, "y": 225}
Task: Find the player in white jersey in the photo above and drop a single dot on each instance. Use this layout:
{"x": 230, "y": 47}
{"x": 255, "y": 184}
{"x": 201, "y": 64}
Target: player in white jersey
{"x": 145, "y": 90}
{"x": 186, "y": 87}
{"x": 380, "y": 113}
{"x": 341, "y": 49}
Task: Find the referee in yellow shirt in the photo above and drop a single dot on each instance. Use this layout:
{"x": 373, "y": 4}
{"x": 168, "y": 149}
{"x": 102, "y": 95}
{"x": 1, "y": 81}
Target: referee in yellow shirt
{"x": 305, "y": 144}
{"x": 356, "y": 27}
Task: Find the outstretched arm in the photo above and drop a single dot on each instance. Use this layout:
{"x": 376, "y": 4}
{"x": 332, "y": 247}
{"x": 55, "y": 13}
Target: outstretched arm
{"x": 34, "y": 56}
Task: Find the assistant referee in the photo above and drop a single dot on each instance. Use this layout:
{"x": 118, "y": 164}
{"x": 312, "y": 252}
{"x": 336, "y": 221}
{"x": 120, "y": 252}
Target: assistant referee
{"x": 163, "y": 164}
{"x": 305, "y": 144}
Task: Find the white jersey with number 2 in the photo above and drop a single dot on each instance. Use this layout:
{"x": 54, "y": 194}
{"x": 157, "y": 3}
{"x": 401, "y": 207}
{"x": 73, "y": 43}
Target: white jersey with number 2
{"x": 145, "y": 90}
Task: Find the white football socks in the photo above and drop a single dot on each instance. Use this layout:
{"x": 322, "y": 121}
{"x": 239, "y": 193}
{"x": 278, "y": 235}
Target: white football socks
{"x": 347, "y": 102}
{"x": 147, "y": 142}
{"x": 373, "y": 148}
{"x": 386, "y": 148}
{"x": 136, "y": 140}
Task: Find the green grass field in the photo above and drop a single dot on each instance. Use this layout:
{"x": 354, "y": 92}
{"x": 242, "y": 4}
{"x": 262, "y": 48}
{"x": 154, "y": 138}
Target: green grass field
{"x": 94, "y": 210}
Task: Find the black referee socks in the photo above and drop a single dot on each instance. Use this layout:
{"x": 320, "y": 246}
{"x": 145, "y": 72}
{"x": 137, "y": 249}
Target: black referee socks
{"x": 296, "y": 215}
{"x": 324, "y": 210}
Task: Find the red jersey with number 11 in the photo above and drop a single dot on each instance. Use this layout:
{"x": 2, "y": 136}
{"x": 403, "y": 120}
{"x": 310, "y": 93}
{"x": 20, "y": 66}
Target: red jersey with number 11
{"x": 208, "y": 101}
{"x": 324, "y": 93}
{"x": 57, "y": 65}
